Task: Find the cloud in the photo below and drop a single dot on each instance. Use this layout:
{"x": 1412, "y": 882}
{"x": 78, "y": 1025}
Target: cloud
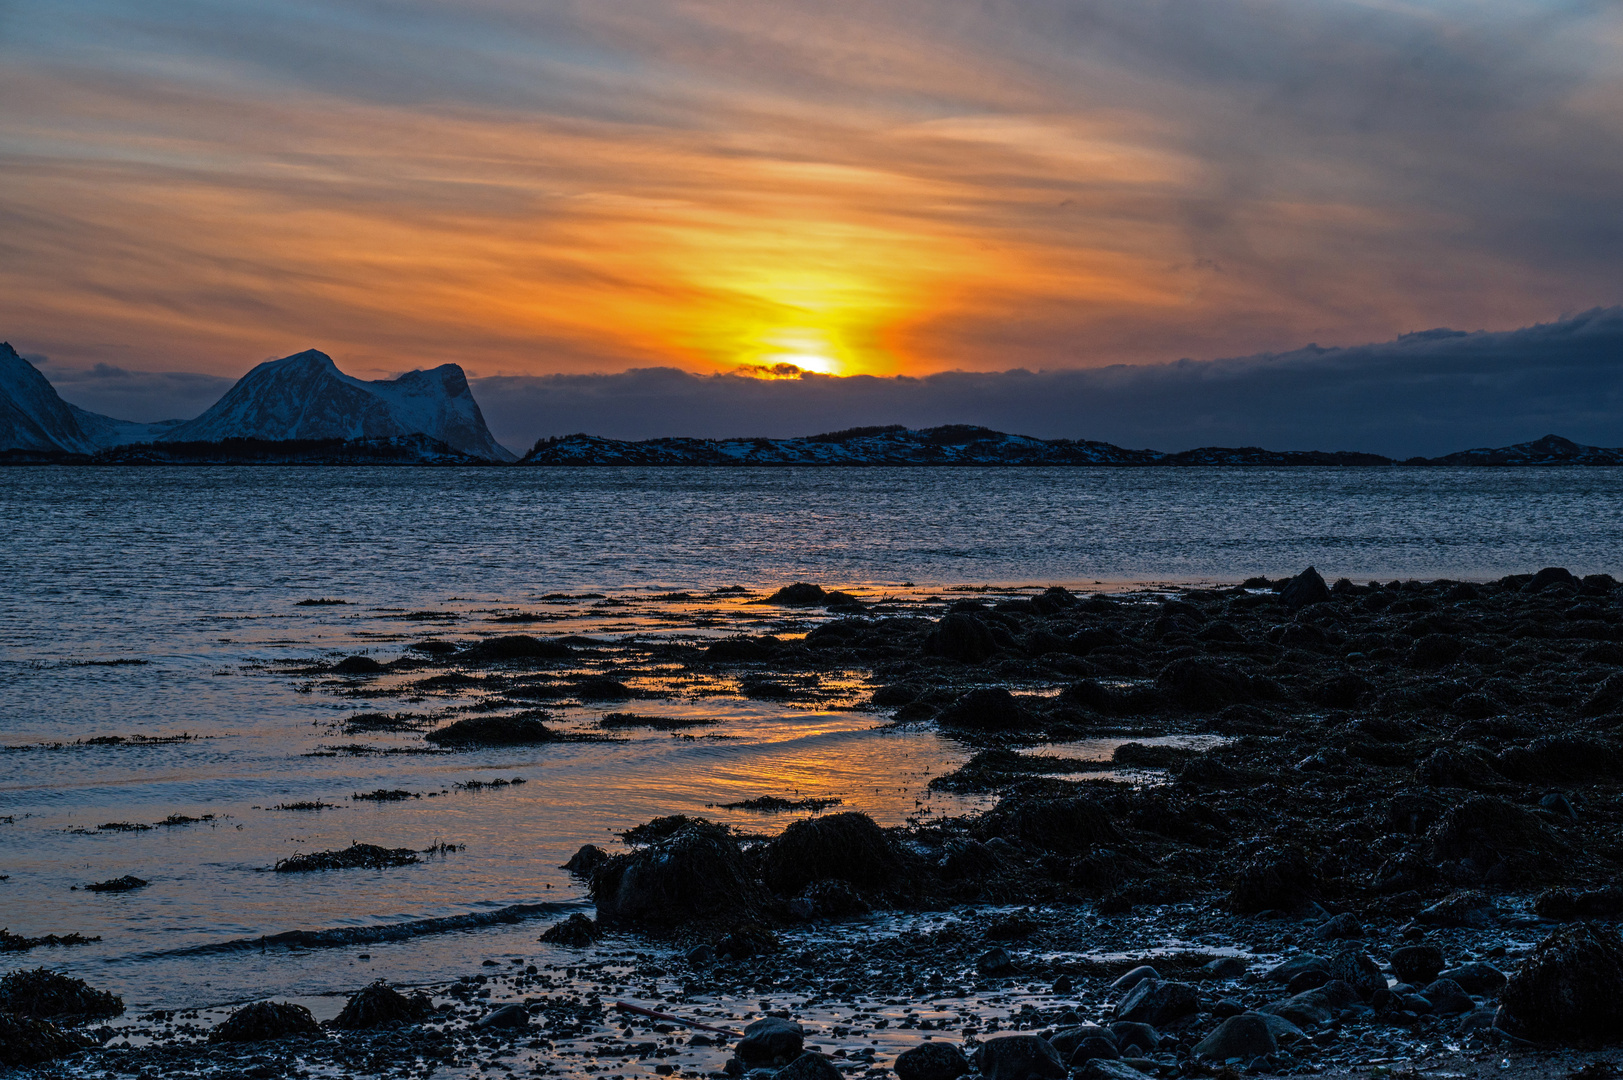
{"x": 143, "y": 396}
{"x": 1426, "y": 393}
{"x": 544, "y": 186}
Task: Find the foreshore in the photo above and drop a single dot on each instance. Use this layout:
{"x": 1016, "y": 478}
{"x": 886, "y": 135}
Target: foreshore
{"x": 1373, "y": 827}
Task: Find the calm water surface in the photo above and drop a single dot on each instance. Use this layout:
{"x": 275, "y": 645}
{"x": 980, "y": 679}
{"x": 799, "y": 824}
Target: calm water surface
{"x": 197, "y": 574}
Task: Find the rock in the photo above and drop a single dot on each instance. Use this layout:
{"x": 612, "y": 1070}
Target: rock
{"x": 492, "y": 731}
{"x": 1569, "y": 988}
{"x": 577, "y": 932}
{"x": 847, "y": 847}
{"x": 1345, "y": 925}
{"x": 1132, "y": 978}
{"x": 770, "y": 1039}
{"x": 1304, "y": 589}
{"x": 1314, "y": 1007}
{"x": 516, "y": 647}
{"x": 1069, "y": 826}
{"x": 1131, "y": 1035}
{"x": 1227, "y": 1007}
{"x": 742, "y": 649}
{"x": 829, "y": 900}
{"x": 961, "y": 637}
{"x": 1018, "y": 1057}
{"x": 700, "y": 956}
{"x": 1224, "y": 967}
{"x": 1477, "y": 978}
{"x": 1091, "y": 1048}
{"x": 1067, "y": 1039}
{"x": 1285, "y": 972}
{"x": 1468, "y": 908}
{"x": 1105, "y": 1069}
{"x": 809, "y": 1066}
{"x": 1560, "y": 759}
{"x": 931, "y": 1061}
{"x": 381, "y": 1006}
{"x": 127, "y": 883}
{"x": 1195, "y": 683}
{"x": 585, "y": 862}
{"x": 1355, "y": 968}
{"x": 1158, "y": 1003}
{"x": 1417, "y": 964}
{"x": 985, "y": 709}
{"x": 800, "y": 594}
{"x": 964, "y": 857}
{"x": 1283, "y": 1030}
{"x": 1447, "y": 997}
{"x": 698, "y": 876}
{"x": 1245, "y": 1036}
{"x": 27, "y": 1041}
{"x": 1062, "y": 985}
{"x": 995, "y": 961}
{"x": 1280, "y": 881}
{"x": 1551, "y": 575}
{"x": 1564, "y": 905}
{"x": 1310, "y": 979}
{"x": 1433, "y": 651}
{"x": 1497, "y": 841}
{"x": 505, "y": 1018}
{"x": 265, "y": 1020}
{"x": 40, "y": 994}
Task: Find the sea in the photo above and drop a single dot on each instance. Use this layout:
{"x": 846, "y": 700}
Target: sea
{"x": 167, "y": 703}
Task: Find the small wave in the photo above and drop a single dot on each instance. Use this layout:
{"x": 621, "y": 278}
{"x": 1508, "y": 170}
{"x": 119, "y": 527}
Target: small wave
{"x": 337, "y": 937}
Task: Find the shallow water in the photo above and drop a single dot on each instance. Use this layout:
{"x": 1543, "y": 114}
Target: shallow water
{"x": 197, "y": 574}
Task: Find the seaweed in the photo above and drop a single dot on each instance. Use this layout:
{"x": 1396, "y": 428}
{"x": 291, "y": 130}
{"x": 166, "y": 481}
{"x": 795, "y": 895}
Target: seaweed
{"x": 355, "y": 857}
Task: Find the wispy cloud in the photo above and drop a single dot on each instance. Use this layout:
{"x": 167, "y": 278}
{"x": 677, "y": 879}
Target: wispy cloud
{"x": 899, "y": 186}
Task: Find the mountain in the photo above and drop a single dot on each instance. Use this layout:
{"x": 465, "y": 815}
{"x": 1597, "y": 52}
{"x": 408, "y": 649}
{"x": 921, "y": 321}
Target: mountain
{"x": 34, "y": 418}
{"x": 1550, "y": 450}
{"x": 955, "y": 444}
{"x": 306, "y": 397}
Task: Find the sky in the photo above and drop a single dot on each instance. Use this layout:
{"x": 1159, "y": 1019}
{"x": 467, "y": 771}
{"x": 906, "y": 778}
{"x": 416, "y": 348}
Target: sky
{"x": 876, "y": 188}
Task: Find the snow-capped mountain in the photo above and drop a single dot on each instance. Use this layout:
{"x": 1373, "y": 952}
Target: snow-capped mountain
{"x": 306, "y": 397}
{"x": 33, "y": 417}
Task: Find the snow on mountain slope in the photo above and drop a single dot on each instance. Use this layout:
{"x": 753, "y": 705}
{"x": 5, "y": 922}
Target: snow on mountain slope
{"x": 305, "y": 396}
{"x": 32, "y": 415}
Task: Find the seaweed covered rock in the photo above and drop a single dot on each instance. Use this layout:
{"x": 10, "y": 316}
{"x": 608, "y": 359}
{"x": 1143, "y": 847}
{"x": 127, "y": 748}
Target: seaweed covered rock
{"x": 42, "y": 994}
{"x": 800, "y": 594}
{"x": 1560, "y": 759}
{"x": 492, "y": 731}
{"x": 1278, "y": 881}
{"x": 1497, "y": 841}
{"x": 829, "y": 899}
{"x": 1417, "y": 964}
{"x": 1069, "y": 826}
{"x": 961, "y": 637}
{"x": 931, "y": 1061}
{"x": 770, "y": 1039}
{"x": 585, "y": 862}
{"x": 516, "y": 647}
{"x": 1195, "y": 683}
{"x": 1569, "y": 988}
{"x": 694, "y": 878}
{"x": 358, "y": 665}
{"x": 266, "y": 1020}
{"x": 27, "y": 1041}
{"x": 380, "y": 1005}
{"x": 1305, "y": 588}
{"x": 355, "y": 857}
{"x": 810, "y": 1065}
{"x": 577, "y": 932}
{"x": 845, "y": 847}
{"x": 742, "y": 649}
{"x": 985, "y": 709}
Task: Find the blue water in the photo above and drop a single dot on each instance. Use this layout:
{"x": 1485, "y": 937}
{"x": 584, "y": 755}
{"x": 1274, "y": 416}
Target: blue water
{"x": 197, "y": 572}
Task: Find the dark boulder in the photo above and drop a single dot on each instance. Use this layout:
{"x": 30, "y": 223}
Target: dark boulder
{"x": 1569, "y": 988}
{"x": 1344, "y": 691}
{"x": 513, "y": 1017}
{"x": 1246, "y": 1036}
{"x": 1093, "y": 1048}
{"x": 770, "y": 1040}
{"x": 1278, "y": 881}
{"x": 1194, "y": 683}
{"x": 1477, "y": 978}
{"x": 1433, "y": 651}
{"x": 25, "y": 1041}
{"x": 698, "y": 876}
{"x": 1158, "y": 1002}
{"x": 1551, "y": 575}
{"x": 961, "y": 637}
{"x": 1561, "y": 759}
{"x": 1355, "y": 968}
{"x": 577, "y": 932}
{"x": 810, "y": 1065}
{"x": 1417, "y": 964}
{"x": 1069, "y": 826}
{"x": 1447, "y": 997}
{"x": 381, "y": 1006}
{"x": 1465, "y": 908}
{"x": 358, "y": 665}
{"x": 266, "y": 1020}
{"x": 1304, "y": 589}
{"x": 846, "y": 847}
{"x": 585, "y": 862}
{"x": 800, "y": 594}
{"x": 516, "y": 647}
{"x": 985, "y": 709}
{"x": 742, "y": 649}
{"x": 1311, "y": 1008}
{"x": 42, "y": 994}
{"x": 1459, "y": 767}
{"x": 1565, "y": 905}
{"x": 829, "y": 899}
{"x": 492, "y": 731}
{"x": 931, "y": 1061}
{"x": 1018, "y": 1057}
{"x": 1497, "y": 841}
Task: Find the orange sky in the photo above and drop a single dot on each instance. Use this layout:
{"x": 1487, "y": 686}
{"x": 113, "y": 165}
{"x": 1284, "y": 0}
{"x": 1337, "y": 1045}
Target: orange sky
{"x": 884, "y": 188}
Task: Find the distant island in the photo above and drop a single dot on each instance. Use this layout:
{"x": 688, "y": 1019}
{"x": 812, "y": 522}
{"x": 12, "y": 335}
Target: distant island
{"x": 301, "y": 410}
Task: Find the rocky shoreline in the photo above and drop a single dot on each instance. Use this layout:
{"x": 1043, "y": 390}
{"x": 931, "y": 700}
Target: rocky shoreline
{"x": 1394, "y": 849}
